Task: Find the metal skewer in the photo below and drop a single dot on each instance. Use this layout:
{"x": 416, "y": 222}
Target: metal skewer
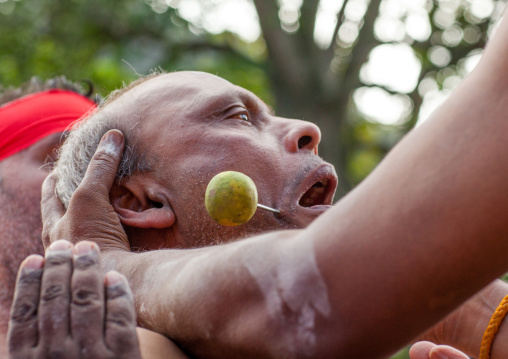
{"x": 270, "y": 209}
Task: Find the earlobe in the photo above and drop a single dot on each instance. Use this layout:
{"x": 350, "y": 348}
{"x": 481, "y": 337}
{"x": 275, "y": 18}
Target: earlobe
{"x": 142, "y": 204}
{"x": 149, "y": 218}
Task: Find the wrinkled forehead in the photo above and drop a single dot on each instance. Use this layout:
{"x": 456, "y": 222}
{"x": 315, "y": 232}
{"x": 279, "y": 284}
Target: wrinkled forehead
{"x": 184, "y": 92}
{"x": 168, "y": 103}
{"x": 176, "y": 98}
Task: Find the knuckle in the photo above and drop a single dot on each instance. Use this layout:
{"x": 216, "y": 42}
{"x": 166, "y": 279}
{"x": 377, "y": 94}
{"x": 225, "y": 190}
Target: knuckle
{"x": 82, "y": 195}
{"x": 29, "y": 279}
{"x": 117, "y": 291}
{"x": 103, "y": 160}
{"x": 83, "y": 297}
{"x": 48, "y": 187}
{"x": 85, "y": 261}
{"x": 121, "y": 319}
{"x": 24, "y": 311}
{"x": 57, "y": 259}
{"x": 46, "y": 232}
{"x": 53, "y": 291}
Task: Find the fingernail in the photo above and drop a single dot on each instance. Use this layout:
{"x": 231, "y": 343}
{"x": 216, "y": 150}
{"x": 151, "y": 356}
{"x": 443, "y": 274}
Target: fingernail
{"x": 33, "y": 261}
{"x": 112, "y": 278}
{"x": 111, "y": 141}
{"x": 84, "y": 248}
{"x": 446, "y": 352}
{"x": 60, "y": 245}
{"x": 438, "y": 354}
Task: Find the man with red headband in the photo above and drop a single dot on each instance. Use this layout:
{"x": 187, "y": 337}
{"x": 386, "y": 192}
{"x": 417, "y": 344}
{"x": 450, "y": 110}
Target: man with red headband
{"x": 32, "y": 121}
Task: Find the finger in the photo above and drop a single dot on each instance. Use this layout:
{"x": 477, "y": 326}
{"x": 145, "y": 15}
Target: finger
{"x": 87, "y": 308}
{"x": 103, "y": 166}
{"x": 421, "y": 350}
{"x": 22, "y": 333}
{"x": 52, "y": 209}
{"x": 55, "y": 295}
{"x": 121, "y": 337}
{"x": 446, "y": 352}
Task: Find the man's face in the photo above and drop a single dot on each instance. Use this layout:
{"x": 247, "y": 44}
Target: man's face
{"x": 200, "y": 125}
{"x": 21, "y": 177}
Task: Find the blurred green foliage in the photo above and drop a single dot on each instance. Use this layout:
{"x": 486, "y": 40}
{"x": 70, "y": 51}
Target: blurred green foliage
{"x": 403, "y": 354}
{"x": 111, "y": 42}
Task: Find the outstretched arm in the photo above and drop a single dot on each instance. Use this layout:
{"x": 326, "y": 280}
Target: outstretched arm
{"x": 393, "y": 254}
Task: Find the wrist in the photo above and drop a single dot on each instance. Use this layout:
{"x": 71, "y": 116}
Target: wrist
{"x": 499, "y": 348}
{"x": 117, "y": 259}
{"x": 464, "y": 328}
{"x": 478, "y": 315}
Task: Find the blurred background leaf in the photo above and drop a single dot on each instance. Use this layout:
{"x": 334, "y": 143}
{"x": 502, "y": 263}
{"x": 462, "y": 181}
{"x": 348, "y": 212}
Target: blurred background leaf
{"x": 365, "y": 71}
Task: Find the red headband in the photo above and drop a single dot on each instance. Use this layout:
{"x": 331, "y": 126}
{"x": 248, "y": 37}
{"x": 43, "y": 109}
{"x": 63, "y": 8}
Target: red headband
{"x": 28, "y": 119}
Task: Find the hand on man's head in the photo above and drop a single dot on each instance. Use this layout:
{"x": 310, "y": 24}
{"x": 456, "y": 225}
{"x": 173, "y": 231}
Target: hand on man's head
{"x": 90, "y": 215}
{"x": 65, "y": 307}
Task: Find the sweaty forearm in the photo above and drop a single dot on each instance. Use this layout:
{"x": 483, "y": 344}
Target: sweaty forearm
{"x": 232, "y": 300}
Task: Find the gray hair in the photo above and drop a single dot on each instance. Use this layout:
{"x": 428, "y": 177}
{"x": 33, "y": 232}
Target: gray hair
{"x": 81, "y": 143}
{"x": 36, "y": 84}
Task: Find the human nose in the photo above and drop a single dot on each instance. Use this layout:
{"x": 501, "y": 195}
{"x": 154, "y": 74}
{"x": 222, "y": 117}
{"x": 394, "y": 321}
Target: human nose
{"x": 302, "y": 136}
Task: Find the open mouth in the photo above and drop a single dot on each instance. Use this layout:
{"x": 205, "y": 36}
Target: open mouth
{"x": 320, "y": 193}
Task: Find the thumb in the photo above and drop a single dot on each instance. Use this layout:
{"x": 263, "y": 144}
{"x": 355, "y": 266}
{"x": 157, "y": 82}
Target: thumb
{"x": 446, "y": 352}
{"x": 103, "y": 166}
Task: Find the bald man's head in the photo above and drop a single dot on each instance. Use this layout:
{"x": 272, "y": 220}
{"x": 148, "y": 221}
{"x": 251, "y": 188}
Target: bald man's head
{"x": 183, "y": 128}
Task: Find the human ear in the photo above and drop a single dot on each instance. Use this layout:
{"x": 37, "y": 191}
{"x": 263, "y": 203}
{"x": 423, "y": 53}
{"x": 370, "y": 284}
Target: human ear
{"x": 141, "y": 202}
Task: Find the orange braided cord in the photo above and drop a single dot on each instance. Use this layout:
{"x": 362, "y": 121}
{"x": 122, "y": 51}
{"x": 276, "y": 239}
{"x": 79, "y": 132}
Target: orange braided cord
{"x": 490, "y": 332}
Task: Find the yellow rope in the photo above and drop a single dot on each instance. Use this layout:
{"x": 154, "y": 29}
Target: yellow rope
{"x": 490, "y": 332}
